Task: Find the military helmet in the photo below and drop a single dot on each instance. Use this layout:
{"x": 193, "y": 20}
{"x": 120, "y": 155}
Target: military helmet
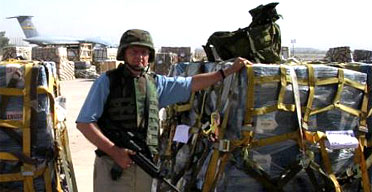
{"x": 135, "y": 37}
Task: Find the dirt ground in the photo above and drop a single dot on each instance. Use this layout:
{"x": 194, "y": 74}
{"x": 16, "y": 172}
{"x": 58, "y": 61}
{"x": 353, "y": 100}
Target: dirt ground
{"x": 82, "y": 151}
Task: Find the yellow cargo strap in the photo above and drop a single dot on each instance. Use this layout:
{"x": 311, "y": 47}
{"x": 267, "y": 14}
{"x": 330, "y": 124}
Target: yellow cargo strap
{"x": 296, "y": 96}
{"x": 311, "y": 82}
{"x": 26, "y": 132}
{"x": 363, "y": 117}
{"x": 341, "y": 81}
{"x": 249, "y": 96}
{"x": 247, "y": 140}
{"x": 319, "y": 137}
{"x": 212, "y": 173}
{"x": 363, "y": 165}
{"x": 308, "y": 109}
{"x": 186, "y": 106}
{"x": 19, "y": 176}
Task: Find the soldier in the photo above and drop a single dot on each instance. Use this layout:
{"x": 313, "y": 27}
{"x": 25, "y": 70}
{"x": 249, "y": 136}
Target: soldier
{"x": 128, "y": 98}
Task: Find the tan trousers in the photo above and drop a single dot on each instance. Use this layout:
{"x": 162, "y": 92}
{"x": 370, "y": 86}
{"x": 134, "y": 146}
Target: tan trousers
{"x": 133, "y": 179}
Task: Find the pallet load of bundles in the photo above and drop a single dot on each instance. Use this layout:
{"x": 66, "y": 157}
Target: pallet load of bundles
{"x": 361, "y": 55}
{"x": 289, "y": 127}
{"x": 12, "y": 52}
{"x": 65, "y": 68}
{"x": 163, "y": 62}
{"x": 183, "y": 53}
{"x": 103, "y": 54}
{"x": 104, "y": 59}
{"x": 339, "y": 54}
{"x": 103, "y": 66}
{"x": 34, "y": 151}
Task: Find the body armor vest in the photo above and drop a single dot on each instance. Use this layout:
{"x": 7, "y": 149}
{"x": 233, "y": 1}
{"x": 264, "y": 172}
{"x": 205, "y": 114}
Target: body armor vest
{"x": 132, "y": 105}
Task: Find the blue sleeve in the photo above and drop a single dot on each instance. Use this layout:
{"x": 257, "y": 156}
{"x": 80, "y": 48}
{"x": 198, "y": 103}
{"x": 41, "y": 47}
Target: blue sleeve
{"x": 94, "y": 103}
{"x": 173, "y": 90}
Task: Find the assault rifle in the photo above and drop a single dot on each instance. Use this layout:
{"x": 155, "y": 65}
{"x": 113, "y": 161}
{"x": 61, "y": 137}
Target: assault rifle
{"x": 142, "y": 157}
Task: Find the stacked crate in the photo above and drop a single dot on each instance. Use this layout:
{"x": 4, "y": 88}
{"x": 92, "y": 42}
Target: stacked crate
{"x": 183, "y": 53}
{"x": 103, "y": 54}
{"x": 80, "y": 52}
{"x": 361, "y": 55}
{"x": 104, "y": 59}
{"x": 13, "y": 52}
{"x": 163, "y": 62}
{"x": 199, "y": 55}
{"x": 103, "y": 66}
{"x": 339, "y": 54}
{"x": 65, "y": 68}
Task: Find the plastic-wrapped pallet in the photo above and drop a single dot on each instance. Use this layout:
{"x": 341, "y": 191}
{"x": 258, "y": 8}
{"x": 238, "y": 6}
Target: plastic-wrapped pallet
{"x": 367, "y": 69}
{"x": 28, "y": 159}
{"x": 258, "y": 119}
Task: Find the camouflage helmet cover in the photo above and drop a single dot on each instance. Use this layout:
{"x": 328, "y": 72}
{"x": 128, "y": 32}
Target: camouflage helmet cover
{"x": 135, "y": 37}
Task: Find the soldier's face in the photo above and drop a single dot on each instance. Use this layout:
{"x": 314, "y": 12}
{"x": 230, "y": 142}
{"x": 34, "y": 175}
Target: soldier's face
{"x": 137, "y": 56}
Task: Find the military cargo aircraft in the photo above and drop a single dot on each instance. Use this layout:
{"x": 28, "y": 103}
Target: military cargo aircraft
{"x": 33, "y": 37}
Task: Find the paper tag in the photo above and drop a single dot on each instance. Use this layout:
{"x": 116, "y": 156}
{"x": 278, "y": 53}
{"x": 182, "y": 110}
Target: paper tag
{"x": 182, "y": 133}
{"x": 341, "y": 139}
{"x": 14, "y": 115}
{"x": 263, "y": 160}
{"x": 266, "y": 123}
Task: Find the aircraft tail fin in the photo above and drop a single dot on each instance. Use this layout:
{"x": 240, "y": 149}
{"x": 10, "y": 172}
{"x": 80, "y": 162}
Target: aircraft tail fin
{"x": 27, "y": 26}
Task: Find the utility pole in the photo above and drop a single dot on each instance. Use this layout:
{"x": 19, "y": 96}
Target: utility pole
{"x": 293, "y": 41}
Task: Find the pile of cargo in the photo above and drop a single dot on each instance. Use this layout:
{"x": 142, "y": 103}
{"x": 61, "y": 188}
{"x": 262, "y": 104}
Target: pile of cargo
{"x": 34, "y": 150}
{"x": 104, "y": 53}
{"x": 339, "y": 54}
{"x": 361, "y": 55}
{"x": 65, "y": 68}
{"x": 183, "y": 53}
{"x": 103, "y": 66}
{"x": 80, "y": 52}
{"x": 163, "y": 62}
{"x": 270, "y": 128}
{"x": 71, "y": 61}
{"x": 85, "y": 70}
{"x": 12, "y": 52}
{"x": 104, "y": 59}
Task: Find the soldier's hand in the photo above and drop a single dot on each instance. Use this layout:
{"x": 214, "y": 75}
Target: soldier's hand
{"x": 122, "y": 157}
{"x": 239, "y": 63}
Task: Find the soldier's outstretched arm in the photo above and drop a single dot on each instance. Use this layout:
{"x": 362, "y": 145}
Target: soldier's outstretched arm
{"x": 204, "y": 80}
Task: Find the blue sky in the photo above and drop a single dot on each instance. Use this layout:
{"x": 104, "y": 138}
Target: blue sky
{"x": 317, "y": 23}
